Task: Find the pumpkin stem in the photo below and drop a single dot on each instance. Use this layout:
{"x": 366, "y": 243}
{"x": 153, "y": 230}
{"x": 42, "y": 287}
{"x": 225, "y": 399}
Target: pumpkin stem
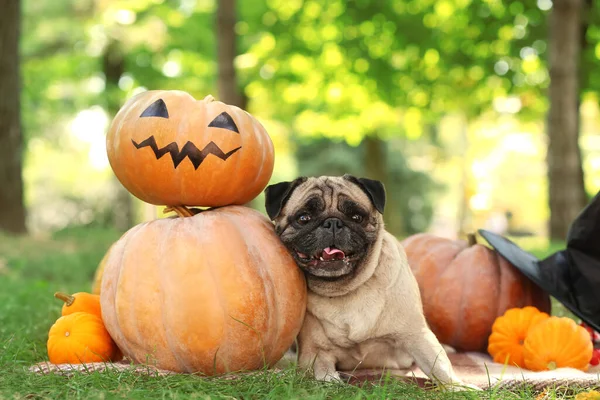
{"x": 68, "y": 299}
{"x": 552, "y": 365}
{"x": 471, "y": 239}
{"x": 208, "y": 99}
{"x": 182, "y": 211}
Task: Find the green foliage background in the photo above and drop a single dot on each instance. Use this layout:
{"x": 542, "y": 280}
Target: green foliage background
{"x": 322, "y": 75}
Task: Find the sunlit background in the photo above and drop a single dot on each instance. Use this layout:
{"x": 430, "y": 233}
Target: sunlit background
{"x": 446, "y": 107}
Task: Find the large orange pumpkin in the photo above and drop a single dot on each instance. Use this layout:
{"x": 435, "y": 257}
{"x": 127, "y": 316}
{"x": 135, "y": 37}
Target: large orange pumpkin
{"x": 167, "y": 148}
{"x": 465, "y": 286}
{"x": 209, "y": 293}
{"x": 557, "y": 342}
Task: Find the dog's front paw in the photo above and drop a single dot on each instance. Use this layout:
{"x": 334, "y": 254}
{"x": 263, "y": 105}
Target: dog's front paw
{"x": 328, "y": 376}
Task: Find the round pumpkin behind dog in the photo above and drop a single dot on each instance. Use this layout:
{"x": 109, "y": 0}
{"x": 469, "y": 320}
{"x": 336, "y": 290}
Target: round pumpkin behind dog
{"x": 465, "y": 286}
{"x": 213, "y": 292}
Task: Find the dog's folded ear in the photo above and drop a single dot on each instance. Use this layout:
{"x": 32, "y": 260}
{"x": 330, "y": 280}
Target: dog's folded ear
{"x": 374, "y": 189}
{"x": 277, "y": 195}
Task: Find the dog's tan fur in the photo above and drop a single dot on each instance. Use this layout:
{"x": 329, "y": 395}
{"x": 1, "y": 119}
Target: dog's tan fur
{"x": 373, "y": 318}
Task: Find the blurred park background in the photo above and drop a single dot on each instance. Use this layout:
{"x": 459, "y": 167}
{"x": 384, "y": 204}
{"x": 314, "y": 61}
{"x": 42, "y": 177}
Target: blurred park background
{"x": 474, "y": 113}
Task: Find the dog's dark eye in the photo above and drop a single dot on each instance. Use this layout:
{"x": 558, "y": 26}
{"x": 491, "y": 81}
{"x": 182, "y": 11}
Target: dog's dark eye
{"x": 357, "y": 218}
{"x": 303, "y": 218}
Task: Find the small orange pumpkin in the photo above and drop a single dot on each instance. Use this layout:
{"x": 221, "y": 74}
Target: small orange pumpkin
{"x": 80, "y": 337}
{"x": 213, "y": 292}
{"x": 167, "y": 148}
{"x": 509, "y": 332}
{"x": 465, "y": 286}
{"x": 557, "y": 342}
{"x": 80, "y": 302}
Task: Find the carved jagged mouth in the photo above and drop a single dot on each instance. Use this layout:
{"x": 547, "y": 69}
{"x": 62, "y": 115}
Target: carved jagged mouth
{"x": 189, "y": 150}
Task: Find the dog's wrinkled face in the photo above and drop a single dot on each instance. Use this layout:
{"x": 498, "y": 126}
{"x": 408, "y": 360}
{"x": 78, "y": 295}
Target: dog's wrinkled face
{"x": 329, "y": 224}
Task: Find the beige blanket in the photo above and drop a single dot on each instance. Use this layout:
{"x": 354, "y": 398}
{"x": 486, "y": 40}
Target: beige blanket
{"x": 479, "y": 370}
{"x": 474, "y": 368}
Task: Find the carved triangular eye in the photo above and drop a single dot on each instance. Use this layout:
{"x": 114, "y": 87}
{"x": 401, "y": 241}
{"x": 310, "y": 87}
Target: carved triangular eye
{"x": 156, "y": 109}
{"x": 224, "y": 121}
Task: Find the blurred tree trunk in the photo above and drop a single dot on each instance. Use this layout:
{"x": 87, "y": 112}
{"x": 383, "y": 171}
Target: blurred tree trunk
{"x": 113, "y": 66}
{"x": 466, "y": 190}
{"x": 376, "y": 167}
{"x": 12, "y": 207}
{"x": 567, "y": 194}
{"x": 226, "y": 52}
{"x": 229, "y": 91}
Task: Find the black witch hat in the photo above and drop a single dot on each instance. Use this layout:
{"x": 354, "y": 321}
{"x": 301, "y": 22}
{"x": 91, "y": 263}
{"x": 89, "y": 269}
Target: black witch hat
{"x": 572, "y": 275}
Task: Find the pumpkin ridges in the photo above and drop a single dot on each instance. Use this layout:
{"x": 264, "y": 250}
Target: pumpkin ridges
{"x": 234, "y": 278}
{"x": 413, "y": 244}
{"x": 273, "y": 308}
{"x": 239, "y": 180}
{"x": 435, "y": 257}
{"x": 196, "y": 240}
{"x": 509, "y": 330}
{"x": 268, "y": 289}
{"x": 476, "y": 303}
{"x": 262, "y": 254}
{"x": 224, "y": 189}
{"x": 88, "y": 340}
{"x": 159, "y": 235}
{"x": 209, "y": 296}
{"x": 161, "y": 271}
{"x": 418, "y": 244}
{"x": 284, "y": 294}
{"x": 113, "y": 283}
{"x": 266, "y": 147}
{"x": 413, "y": 247}
{"x": 124, "y": 115}
{"x": 216, "y": 182}
{"x": 166, "y": 246}
{"x": 528, "y": 292}
{"x": 501, "y": 305}
{"x": 536, "y": 295}
{"x": 430, "y": 280}
{"x": 220, "y": 354}
{"x": 516, "y": 294}
{"x": 462, "y": 296}
{"x": 511, "y": 285}
{"x": 513, "y": 294}
{"x": 268, "y": 153}
{"x": 575, "y": 344}
{"x": 127, "y": 302}
{"x": 438, "y": 293}
{"x": 545, "y": 343}
{"x": 270, "y": 296}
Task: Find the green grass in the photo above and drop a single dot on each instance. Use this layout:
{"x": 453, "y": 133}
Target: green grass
{"x": 32, "y": 269}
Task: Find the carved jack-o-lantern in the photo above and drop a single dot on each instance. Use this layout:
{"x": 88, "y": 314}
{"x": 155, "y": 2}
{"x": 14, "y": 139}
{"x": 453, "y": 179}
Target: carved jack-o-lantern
{"x": 167, "y": 148}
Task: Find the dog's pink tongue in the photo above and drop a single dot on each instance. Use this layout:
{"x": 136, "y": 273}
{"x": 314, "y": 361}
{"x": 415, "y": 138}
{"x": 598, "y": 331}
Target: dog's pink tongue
{"x": 332, "y": 254}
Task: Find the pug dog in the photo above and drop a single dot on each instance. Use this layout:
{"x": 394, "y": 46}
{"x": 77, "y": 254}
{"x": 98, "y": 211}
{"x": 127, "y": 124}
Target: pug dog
{"x": 364, "y": 307}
